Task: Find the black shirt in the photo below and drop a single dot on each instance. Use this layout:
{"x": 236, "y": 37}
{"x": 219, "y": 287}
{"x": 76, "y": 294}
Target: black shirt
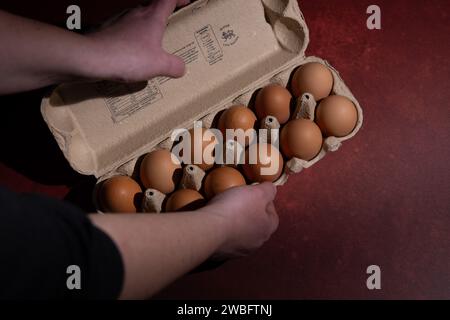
{"x": 40, "y": 238}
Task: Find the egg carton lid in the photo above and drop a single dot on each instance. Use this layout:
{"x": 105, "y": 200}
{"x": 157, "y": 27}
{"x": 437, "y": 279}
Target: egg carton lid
{"x": 228, "y": 46}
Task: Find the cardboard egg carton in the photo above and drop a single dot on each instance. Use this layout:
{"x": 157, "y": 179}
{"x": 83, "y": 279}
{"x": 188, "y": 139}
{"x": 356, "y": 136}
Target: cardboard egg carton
{"x": 231, "y": 48}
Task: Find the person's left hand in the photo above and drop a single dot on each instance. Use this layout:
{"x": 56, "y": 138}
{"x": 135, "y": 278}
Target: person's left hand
{"x": 130, "y": 49}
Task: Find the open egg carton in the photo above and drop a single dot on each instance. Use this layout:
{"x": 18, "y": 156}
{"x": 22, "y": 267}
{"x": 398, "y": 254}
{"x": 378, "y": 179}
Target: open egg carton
{"x": 232, "y": 49}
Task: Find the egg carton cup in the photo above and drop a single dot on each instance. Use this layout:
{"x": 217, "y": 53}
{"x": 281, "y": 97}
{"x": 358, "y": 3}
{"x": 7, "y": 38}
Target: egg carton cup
{"x": 271, "y": 37}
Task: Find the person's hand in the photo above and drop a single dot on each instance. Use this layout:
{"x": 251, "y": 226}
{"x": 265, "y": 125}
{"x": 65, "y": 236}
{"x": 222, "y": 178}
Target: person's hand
{"x": 249, "y": 218}
{"x": 130, "y": 49}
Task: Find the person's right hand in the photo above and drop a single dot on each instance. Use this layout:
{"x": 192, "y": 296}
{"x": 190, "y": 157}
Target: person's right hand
{"x": 249, "y": 218}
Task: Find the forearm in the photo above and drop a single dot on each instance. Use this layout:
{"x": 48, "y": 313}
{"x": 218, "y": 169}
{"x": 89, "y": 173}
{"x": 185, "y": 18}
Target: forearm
{"x": 34, "y": 54}
{"x": 157, "y": 249}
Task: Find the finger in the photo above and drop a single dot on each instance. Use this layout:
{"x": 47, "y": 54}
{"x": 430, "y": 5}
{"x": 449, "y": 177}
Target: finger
{"x": 170, "y": 65}
{"x": 275, "y": 221}
{"x": 269, "y": 190}
{"x": 182, "y": 3}
{"x": 270, "y": 208}
{"x": 273, "y": 216}
{"x": 162, "y": 9}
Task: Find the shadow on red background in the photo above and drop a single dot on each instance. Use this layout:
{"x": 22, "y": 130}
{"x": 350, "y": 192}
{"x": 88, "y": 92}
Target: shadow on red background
{"x": 382, "y": 199}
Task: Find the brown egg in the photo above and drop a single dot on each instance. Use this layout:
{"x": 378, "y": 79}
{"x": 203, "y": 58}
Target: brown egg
{"x": 184, "y": 200}
{"x": 336, "y": 116}
{"x": 120, "y": 194}
{"x": 266, "y": 165}
{"x": 221, "y": 179}
{"x": 237, "y": 117}
{"x": 273, "y": 100}
{"x": 301, "y": 138}
{"x": 160, "y": 170}
{"x": 202, "y": 142}
{"x": 314, "y": 78}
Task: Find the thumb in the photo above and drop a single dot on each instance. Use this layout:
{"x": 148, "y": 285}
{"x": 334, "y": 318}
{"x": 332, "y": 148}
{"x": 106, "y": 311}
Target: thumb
{"x": 170, "y": 65}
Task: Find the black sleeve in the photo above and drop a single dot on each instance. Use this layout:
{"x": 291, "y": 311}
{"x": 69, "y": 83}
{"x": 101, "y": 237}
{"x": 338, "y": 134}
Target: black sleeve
{"x": 40, "y": 238}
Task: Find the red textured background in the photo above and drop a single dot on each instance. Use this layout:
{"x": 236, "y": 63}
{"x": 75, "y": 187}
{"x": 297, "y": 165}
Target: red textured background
{"x": 382, "y": 199}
